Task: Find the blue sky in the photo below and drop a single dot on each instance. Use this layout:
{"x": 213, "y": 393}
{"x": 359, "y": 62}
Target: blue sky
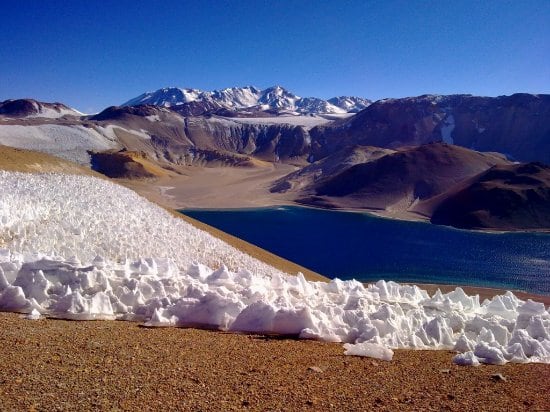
{"x": 93, "y": 54}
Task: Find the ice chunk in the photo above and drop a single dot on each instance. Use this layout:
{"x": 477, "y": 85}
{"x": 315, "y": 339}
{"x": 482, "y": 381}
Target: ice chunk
{"x": 438, "y": 330}
{"x": 13, "y": 299}
{"x": 537, "y": 329}
{"x": 463, "y": 344}
{"x": 531, "y": 347}
{"x": 371, "y": 350}
{"x": 531, "y": 308}
{"x": 489, "y": 354}
{"x": 159, "y": 319}
{"x": 33, "y": 315}
{"x": 466, "y": 359}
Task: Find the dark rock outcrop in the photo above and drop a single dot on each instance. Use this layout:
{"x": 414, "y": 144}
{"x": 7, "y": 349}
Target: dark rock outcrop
{"x": 517, "y": 125}
{"x": 30, "y": 107}
{"x": 304, "y": 180}
{"x": 504, "y": 197}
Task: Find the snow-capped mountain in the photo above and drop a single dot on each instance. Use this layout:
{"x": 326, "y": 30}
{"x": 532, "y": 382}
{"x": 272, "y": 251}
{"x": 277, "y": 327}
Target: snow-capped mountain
{"x": 350, "y": 104}
{"x": 167, "y": 97}
{"x": 276, "y": 98}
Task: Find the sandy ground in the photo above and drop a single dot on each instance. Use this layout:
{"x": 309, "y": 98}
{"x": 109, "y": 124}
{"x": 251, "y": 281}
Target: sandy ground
{"x": 235, "y": 187}
{"x": 50, "y": 365}
{"x": 215, "y": 187}
{"x": 20, "y": 160}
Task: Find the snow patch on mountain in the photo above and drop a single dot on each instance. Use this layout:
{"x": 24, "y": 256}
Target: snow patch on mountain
{"x": 55, "y": 113}
{"x": 237, "y": 97}
{"x": 68, "y": 142}
{"x": 448, "y": 125}
{"x": 30, "y": 108}
{"x": 307, "y": 122}
{"x": 350, "y": 104}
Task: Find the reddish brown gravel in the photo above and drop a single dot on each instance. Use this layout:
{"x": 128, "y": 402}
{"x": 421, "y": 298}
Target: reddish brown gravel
{"x": 50, "y": 365}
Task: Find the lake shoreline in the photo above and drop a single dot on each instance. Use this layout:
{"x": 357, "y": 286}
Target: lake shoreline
{"x": 451, "y": 250}
{"x": 242, "y": 188}
{"x": 379, "y": 213}
{"x": 292, "y": 268}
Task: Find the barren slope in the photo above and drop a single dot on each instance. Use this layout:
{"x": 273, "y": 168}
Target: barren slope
{"x": 398, "y": 179}
{"x": 504, "y": 197}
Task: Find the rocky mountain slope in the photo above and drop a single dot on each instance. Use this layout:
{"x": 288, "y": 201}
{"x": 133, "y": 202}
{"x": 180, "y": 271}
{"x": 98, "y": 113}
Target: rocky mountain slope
{"x": 396, "y": 180}
{"x": 505, "y": 197}
{"x": 199, "y": 140}
{"x": 375, "y": 160}
{"x": 517, "y": 125}
{"x": 33, "y": 108}
{"x": 250, "y": 100}
{"x": 303, "y": 180}
{"x": 165, "y": 136}
{"x": 447, "y": 184}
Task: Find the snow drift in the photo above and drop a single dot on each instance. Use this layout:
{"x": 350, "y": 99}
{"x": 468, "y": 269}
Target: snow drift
{"x": 78, "y": 247}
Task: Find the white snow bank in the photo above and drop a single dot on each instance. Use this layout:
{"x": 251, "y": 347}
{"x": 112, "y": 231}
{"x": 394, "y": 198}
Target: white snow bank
{"x": 82, "y": 248}
{"x": 68, "y": 142}
{"x": 110, "y": 131}
{"x": 308, "y": 122}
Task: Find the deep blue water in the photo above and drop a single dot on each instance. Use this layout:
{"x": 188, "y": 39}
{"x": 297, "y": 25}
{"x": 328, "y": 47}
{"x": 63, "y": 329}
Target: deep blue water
{"x": 358, "y": 245}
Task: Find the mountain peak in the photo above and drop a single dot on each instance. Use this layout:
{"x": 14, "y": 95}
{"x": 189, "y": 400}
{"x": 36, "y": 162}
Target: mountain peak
{"x": 247, "y": 98}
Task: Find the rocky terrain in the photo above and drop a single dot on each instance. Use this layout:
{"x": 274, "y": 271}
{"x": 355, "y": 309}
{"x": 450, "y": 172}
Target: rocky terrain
{"x": 446, "y": 184}
{"x": 304, "y": 178}
{"x": 112, "y": 365}
{"x": 517, "y": 125}
{"x": 505, "y": 196}
{"x": 377, "y": 159}
{"x": 395, "y": 180}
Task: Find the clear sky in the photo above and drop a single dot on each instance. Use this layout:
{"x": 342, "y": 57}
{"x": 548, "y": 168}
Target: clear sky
{"x": 93, "y": 54}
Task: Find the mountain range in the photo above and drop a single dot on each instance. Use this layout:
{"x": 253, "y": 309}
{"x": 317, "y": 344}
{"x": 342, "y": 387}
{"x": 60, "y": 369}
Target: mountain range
{"x": 517, "y": 125}
{"x": 427, "y": 157}
{"x": 246, "y": 100}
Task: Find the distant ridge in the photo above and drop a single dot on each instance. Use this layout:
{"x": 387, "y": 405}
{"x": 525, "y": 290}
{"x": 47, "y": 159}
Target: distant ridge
{"x": 274, "y": 99}
{"x": 33, "y": 108}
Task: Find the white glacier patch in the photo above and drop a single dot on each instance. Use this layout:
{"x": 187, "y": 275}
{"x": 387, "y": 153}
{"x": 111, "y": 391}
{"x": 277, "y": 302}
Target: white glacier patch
{"x": 447, "y": 129}
{"x": 68, "y": 142}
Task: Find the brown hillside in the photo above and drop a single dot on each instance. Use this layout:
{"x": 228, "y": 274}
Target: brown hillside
{"x": 405, "y": 176}
{"x": 504, "y": 197}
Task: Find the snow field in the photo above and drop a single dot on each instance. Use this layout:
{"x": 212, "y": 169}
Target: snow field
{"x": 308, "y": 122}
{"x": 78, "y": 247}
{"x": 68, "y": 142}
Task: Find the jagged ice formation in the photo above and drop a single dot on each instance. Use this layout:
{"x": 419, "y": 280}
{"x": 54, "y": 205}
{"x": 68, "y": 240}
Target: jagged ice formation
{"x": 79, "y": 247}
